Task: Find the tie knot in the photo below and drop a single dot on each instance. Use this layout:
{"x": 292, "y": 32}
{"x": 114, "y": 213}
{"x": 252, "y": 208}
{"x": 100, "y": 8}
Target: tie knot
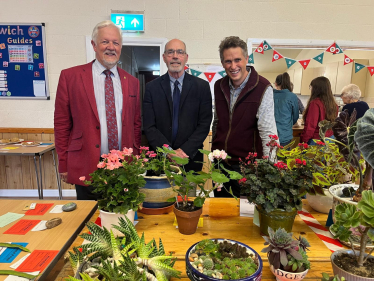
{"x": 107, "y": 72}
{"x": 176, "y": 83}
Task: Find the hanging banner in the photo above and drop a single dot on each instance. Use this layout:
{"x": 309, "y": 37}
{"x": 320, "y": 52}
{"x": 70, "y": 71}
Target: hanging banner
{"x": 260, "y": 49}
{"x": 251, "y": 59}
{"x": 347, "y": 59}
{"x": 195, "y": 72}
{"x": 209, "y": 76}
{"x": 358, "y": 67}
{"x": 371, "y": 70}
{"x": 276, "y": 56}
{"x": 338, "y": 50}
{"x": 319, "y": 58}
{"x": 266, "y": 46}
{"x": 304, "y": 63}
{"x": 222, "y": 73}
{"x": 332, "y": 48}
{"x": 290, "y": 62}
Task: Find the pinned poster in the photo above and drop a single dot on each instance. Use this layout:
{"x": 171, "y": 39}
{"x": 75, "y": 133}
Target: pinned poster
{"x": 276, "y": 56}
{"x": 290, "y": 62}
{"x": 319, "y": 58}
{"x": 304, "y": 63}
{"x": 222, "y": 73}
{"x": 347, "y": 59}
{"x": 251, "y": 58}
{"x": 37, "y": 261}
{"x": 358, "y": 67}
{"x": 209, "y": 76}
{"x": 195, "y": 72}
{"x": 332, "y": 48}
{"x": 266, "y": 46}
{"x": 338, "y": 50}
{"x": 371, "y": 70}
{"x": 260, "y": 49}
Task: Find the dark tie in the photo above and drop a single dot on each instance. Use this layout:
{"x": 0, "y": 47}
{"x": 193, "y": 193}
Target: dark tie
{"x": 110, "y": 108}
{"x": 176, "y": 99}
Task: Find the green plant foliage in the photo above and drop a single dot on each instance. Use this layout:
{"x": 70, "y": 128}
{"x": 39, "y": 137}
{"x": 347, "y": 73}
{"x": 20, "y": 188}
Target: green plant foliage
{"x": 364, "y": 136}
{"x": 326, "y": 277}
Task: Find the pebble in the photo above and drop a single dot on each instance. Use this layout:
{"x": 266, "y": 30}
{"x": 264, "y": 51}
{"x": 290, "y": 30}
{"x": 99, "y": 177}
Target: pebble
{"x": 71, "y": 206}
{"x": 53, "y": 223}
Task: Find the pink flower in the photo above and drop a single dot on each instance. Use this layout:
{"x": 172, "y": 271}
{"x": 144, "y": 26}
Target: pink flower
{"x": 105, "y": 182}
{"x": 145, "y": 160}
{"x": 110, "y": 166}
{"x": 166, "y": 145}
{"x": 219, "y": 189}
{"x": 125, "y": 189}
{"x": 104, "y": 156}
{"x": 152, "y": 155}
{"x": 127, "y": 151}
{"x": 82, "y": 178}
{"x": 101, "y": 165}
{"x": 144, "y": 148}
{"x": 137, "y": 157}
{"x": 223, "y": 155}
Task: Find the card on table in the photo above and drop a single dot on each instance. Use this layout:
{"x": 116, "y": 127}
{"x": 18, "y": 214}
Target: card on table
{"x": 11, "y": 253}
{"x": 39, "y": 210}
{"x": 37, "y": 261}
{"x": 22, "y": 227}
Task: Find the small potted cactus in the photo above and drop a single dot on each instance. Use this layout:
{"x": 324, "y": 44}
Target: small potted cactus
{"x": 213, "y": 259}
{"x": 287, "y": 256}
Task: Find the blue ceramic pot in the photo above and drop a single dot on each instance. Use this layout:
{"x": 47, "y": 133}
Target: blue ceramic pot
{"x": 195, "y": 275}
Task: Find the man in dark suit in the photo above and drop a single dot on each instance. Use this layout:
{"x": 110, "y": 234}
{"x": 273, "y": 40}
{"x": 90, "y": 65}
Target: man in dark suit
{"x": 177, "y": 108}
{"x": 97, "y": 109}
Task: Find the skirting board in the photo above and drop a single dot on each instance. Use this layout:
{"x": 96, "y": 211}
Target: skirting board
{"x": 34, "y": 193}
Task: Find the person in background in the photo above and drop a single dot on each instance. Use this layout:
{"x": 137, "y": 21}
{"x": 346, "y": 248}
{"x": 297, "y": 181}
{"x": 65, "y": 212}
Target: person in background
{"x": 321, "y": 106}
{"x": 301, "y": 106}
{"x": 97, "y": 109}
{"x": 286, "y": 108}
{"x": 351, "y": 97}
{"x": 244, "y": 110}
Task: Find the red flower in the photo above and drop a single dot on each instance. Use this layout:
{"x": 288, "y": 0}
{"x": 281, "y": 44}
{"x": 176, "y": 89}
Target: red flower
{"x": 304, "y": 162}
{"x": 166, "y": 145}
{"x": 243, "y": 180}
{"x": 306, "y": 145}
{"x": 298, "y": 161}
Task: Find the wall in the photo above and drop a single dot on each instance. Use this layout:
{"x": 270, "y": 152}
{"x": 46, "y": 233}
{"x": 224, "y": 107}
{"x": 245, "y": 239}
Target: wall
{"x": 200, "y": 23}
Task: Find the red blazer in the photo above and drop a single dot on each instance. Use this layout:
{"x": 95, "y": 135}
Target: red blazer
{"x": 76, "y": 121}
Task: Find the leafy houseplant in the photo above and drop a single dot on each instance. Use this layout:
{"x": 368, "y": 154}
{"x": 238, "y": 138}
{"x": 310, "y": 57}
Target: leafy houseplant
{"x": 154, "y": 162}
{"x": 286, "y": 254}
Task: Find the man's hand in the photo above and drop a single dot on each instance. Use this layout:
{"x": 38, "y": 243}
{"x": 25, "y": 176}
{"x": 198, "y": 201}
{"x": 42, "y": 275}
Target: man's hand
{"x": 64, "y": 177}
{"x": 180, "y": 153}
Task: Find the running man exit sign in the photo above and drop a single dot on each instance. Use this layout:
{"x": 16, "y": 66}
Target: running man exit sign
{"x": 128, "y": 21}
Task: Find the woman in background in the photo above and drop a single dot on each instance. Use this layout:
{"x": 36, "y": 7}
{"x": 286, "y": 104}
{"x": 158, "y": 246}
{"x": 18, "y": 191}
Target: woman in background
{"x": 321, "y": 106}
{"x": 286, "y": 108}
{"x": 351, "y": 97}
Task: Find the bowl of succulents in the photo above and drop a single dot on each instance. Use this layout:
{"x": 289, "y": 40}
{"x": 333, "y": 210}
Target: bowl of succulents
{"x": 213, "y": 259}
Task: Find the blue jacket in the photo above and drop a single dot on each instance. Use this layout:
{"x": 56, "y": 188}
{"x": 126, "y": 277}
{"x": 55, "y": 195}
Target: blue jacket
{"x": 286, "y": 113}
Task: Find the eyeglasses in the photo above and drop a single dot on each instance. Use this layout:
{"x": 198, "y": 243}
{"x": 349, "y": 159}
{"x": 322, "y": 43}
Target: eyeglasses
{"x": 171, "y": 52}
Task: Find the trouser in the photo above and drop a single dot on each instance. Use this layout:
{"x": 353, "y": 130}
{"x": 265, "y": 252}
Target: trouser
{"x": 85, "y": 192}
{"x": 234, "y": 184}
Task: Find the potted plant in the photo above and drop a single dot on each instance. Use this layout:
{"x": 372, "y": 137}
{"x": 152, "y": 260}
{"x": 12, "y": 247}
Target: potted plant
{"x": 287, "y": 256}
{"x": 125, "y": 258}
{"x": 351, "y": 264}
{"x": 213, "y": 259}
{"x": 117, "y": 182}
{"x": 188, "y": 212}
{"x": 276, "y": 187}
{"x": 326, "y": 277}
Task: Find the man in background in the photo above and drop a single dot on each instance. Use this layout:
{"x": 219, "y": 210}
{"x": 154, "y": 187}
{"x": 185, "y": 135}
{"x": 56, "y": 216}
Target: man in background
{"x": 177, "y": 108}
{"x": 97, "y": 109}
{"x": 244, "y": 110}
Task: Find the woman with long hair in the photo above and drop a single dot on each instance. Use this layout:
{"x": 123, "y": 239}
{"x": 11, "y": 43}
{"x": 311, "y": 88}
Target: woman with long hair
{"x": 321, "y": 106}
{"x": 286, "y": 108}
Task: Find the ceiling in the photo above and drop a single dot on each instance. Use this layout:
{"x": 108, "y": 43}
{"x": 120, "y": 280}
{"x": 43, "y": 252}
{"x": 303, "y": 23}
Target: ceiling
{"x": 147, "y": 57}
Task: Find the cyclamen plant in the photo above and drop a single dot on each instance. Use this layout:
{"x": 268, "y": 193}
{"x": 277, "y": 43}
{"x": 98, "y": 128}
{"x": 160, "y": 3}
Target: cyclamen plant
{"x": 154, "y": 162}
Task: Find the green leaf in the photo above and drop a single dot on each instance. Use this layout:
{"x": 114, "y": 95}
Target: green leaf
{"x": 371, "y": 234}
{"x": 206, "y": 152}
{"x": 218, "y": 177}
{"x": 180, "y": 161}
{"x": 319, "y": 179}
{"x": 171, "y": 199}
{"x": 199, "y": 201}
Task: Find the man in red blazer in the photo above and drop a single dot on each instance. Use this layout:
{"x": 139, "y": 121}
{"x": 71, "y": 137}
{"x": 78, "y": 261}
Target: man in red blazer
{"x": 97, "y": 109}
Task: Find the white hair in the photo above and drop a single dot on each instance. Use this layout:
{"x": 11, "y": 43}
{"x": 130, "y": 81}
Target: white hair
{"x": 351, "y": 91}
{"x": 103, "y": 24}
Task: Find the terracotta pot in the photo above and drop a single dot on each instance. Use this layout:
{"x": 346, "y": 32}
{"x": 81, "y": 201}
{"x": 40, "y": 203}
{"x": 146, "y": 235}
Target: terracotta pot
{"x": 187, "y": 221}
{"x": 276, "y": 219}
{"x": 320, "y": 203}
{"x": 342, "y": 273}
{"x": 282, "y": 275}
{"x": 107, "y": 219}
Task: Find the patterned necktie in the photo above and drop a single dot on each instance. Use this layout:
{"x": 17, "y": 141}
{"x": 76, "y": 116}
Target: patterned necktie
{"x": 176, "y": 99}
{"x": 110, "y": 108}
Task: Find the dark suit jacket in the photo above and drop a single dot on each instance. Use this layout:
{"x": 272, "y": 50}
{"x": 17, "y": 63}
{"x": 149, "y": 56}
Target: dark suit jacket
{"x": 77, "y": 126}
{"x": 195, "y": 115}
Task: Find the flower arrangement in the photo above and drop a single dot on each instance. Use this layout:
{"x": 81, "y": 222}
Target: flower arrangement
{"x": 117, "y": 181}
{"x": 154, "y": 161}
{"x": 273, "y": 184}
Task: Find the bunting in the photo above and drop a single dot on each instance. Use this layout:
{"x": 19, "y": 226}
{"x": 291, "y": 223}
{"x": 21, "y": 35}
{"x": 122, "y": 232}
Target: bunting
{"x": 371, "y": 70}
{"x": 304, "y": 63}
{"x": 332, "y": 48}
{"x": 290, "y": 62}
{"x": 338, "y": 50}
{"x": 222, "y": 73}
{"x": 347, "y": 59}
{"x": 358, "y": 67}
{"x": 260, "y": 49}
{"x": 251, "y": 59}
{"x": 276, "y": 55}
{"x": 266, "y": 46}
{"x": 195, "y": 72}
{"x": 319, "y": 58}
{"x": 209, "y": 76}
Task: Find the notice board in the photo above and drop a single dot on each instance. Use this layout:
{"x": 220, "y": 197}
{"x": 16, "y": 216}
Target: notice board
{"x": 23, "y": 67}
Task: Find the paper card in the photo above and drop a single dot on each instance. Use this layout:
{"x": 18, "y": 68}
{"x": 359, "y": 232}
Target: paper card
{"x": 11, "y": 253}
{"x": 1, "y": 55}
{"x": 30, "y": 67}
{"x": 246, "y": 209}
{"x": 40, "y": 226}
{"x": 39, "y": 87}
{"x": 5, "y": 64}
{"x": 37, "y": 261}
{"x": 32, "y": 206}
{"x": 36, "y": 56}
{"x": 17, "y": 278}
{"x": 2, "y": 249}
{"x": 22, "y": 227}
{"x": 57, "y": 209}
{"x": 39, "y": 210}
{"x": 9, "y": 218}
{"x": 18, "y": 263}
{"x": 38, "y": 43}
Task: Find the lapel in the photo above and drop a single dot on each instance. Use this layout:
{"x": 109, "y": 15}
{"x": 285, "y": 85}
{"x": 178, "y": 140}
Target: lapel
{"x": 87, "y": 80}
{"x": 165, "y": 84}
{"x": 187, "y": 83}
{"x": 125, "y": 89}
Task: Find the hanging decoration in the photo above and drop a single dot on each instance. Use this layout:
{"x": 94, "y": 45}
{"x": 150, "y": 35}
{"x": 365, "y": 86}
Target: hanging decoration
{"x": 186, "y": 67}
{"x": 251, "y": 59}
{"x": 371, "y": 70}
{"x": 358, "y": 67}
{"x": 276, "y": 56}
{"x": 290, "y": 62}
{"x": 222, "y": 73}
{"x": 304, "y": 63}
{"x": 319, "y": 58}
{"x": 347, "y": 59}
{"x": 338, "y": 50}
{"x": 332, "y": 48}
{"x": 195, "y": 72}
{"x": 266, "y": 46}
{"x": 209, "y": 76}
{"x": 260, "y": 48}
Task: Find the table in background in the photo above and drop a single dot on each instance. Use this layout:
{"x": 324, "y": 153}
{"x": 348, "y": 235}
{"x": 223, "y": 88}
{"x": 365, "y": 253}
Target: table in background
{"x": 35, "y": 151}
{"x": 222, "y": 220}
{"x": 58, "y": 238}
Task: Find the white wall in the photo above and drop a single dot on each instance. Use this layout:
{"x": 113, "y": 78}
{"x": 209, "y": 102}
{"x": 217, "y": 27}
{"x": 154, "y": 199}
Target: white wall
{"x": 202, "y": 24}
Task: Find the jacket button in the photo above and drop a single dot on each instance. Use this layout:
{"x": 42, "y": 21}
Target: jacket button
{"x": 98, "y": 127}
{"x": 97, "y": 146}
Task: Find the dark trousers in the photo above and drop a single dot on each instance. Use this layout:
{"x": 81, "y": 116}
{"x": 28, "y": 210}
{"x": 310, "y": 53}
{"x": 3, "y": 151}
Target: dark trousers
{"x": 234, "y": 184}
{"x": 85, "y": 192}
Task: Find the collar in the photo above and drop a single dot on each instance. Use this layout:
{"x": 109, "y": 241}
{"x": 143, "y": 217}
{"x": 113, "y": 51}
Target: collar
{"x": 99, "y": 68}
{"x": 180, "y": 79}
{"x": 242, "y": 85}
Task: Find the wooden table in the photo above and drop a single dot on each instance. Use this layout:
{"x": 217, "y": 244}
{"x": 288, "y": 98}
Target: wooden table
{"x": 217, "y": 226}
{"x": 36, "y": 152}
{"x": 59, "y": 238}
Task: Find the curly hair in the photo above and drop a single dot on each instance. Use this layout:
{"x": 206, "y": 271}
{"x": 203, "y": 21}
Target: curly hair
{"x": 232, "y": 42}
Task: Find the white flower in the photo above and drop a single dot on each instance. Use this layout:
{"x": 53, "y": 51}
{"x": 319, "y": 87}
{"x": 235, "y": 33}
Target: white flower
{"x": 216, "y": 153}
{"x": 210, "y": 157}
{"x": 223, "y": 155}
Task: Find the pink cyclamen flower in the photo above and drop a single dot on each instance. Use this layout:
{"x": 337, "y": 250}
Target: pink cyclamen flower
{"x": 82, "y": 178}
{"x": 101, "y": 165}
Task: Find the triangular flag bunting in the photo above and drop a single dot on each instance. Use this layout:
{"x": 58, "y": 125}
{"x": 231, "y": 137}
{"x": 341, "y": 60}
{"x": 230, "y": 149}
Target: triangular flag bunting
{"x": 209, "y": 76}
{"x": 338, "y": 50}
{"x": 186, "y": 67}
{"x": 222, "y": 73}
{"x": 304, "y": 63}
{"x": 347, "y": 59}
{"x": 319, "y": 58}
{"x": 358, "y": 67}
{"x": 276, "y": 56}
{"x": 371, "y": 70}
{"x": 260, "y": 49}
{"x": 290, "y": 62}
{"x": 251, "y": 59}
{"x": 332, "y": 48}
{"x": 195, "y": 72}
{"x": 267, "y": 46}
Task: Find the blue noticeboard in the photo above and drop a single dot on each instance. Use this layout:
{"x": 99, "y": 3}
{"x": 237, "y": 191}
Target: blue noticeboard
{"x": 23, "y": 67}
{"x": 128, "y": 22}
